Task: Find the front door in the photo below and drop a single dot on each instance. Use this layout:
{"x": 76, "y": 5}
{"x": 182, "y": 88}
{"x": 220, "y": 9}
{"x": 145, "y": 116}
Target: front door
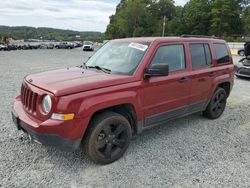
{"x": 167, "y": 97}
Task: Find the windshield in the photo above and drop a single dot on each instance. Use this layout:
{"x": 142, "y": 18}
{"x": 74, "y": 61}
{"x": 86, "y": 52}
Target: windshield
{"x": 87, "y": 43}
{"x": 119, "y": 57}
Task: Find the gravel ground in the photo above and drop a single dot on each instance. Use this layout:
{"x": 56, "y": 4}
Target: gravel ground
{"x": 188, "y": 152}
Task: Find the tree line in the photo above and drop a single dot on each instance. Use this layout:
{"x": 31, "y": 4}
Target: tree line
{"x": 229, "y": 19}
{"x": 45, "y": 33}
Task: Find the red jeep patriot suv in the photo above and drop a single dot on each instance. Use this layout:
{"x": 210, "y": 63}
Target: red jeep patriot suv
{"x": 127, "y": 86}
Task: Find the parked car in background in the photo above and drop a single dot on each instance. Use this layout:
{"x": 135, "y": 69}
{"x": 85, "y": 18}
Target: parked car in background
{"x": 126, "y": 87}
{"x": 50, "y": 46}
{"x": 11, "y": 47}
{"x": 88, "y": 45}
{"x": 26, "y": 47}
{"x": 78, "y": 44}
{"x": 35, "y": 47}
{"x": 242, "y": 68}
{"x": 3, "y": 47}
{"x": 64, "y": 45}
{"x": 42, "y": 46}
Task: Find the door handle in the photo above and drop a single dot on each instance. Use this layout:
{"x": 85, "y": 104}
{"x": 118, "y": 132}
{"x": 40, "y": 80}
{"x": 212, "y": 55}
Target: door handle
{"x": 211, "y": 74}
{"x": 183, "y": 80}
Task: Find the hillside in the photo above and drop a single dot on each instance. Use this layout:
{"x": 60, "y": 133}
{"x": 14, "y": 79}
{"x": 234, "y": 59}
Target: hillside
{"x": 23, "y": 32}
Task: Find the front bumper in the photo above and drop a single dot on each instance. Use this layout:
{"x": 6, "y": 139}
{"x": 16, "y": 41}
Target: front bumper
{"x": 243, "y": 71}
{"x": 63, "y": 134}
{"x": 87, "y": 47}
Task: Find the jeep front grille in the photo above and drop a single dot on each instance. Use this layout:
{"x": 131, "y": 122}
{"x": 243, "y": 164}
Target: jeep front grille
{"x": 29, "y": 99}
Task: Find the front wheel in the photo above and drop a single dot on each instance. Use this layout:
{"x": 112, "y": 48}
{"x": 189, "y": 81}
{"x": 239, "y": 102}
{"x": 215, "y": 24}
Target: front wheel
{"x": 108, "y": 137}
{"x": 217, "y": 104}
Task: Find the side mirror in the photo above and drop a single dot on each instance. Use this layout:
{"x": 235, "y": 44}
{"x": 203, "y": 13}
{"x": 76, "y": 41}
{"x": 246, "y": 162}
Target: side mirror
{"x": 157, "y": 70}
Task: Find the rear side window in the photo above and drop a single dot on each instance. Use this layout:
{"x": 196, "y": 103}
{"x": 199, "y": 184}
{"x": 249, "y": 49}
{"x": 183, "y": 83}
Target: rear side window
{"x": 200, "y": 55}
{"x": 172, "y": 55}
{"x": 221, "y": 53}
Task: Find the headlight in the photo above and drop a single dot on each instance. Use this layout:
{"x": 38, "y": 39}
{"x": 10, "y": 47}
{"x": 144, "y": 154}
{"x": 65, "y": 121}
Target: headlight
{"x": 62, "y": 117}
{"x": 46, "y": 104}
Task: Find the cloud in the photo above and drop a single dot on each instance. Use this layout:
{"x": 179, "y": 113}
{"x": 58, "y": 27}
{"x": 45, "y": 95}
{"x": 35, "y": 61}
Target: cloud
{"x": 181, "y": 2}
{"x": 81, "y": 15}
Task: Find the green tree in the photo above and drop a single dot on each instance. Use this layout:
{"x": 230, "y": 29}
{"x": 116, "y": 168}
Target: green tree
{"x": 246, "y": 21}
{"x": 139, "y": 18}
{"x": 112, "y": 30}
{"x": 177, "y": 25}
{"x": 158, "y": 10}
{"x": 131, "y": 20}
{"x": 197, "y": 17}
{"x": 222, "y": 18}
{"x": 161, "y": 8}
{"x": 47, "y": 33}
{"x": 225, "y": 17}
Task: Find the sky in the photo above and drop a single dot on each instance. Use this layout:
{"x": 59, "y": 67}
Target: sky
{"x": 79, "y": 15}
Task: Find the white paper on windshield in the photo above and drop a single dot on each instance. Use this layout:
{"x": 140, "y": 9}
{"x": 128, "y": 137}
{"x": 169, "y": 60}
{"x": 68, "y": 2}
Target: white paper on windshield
{"x": 138, "y": 46}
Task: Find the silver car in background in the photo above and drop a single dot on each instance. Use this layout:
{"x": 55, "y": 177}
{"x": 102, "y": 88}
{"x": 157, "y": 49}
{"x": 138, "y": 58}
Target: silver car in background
{"x": 242, "y": 68}
{"x": 88, "y": 45}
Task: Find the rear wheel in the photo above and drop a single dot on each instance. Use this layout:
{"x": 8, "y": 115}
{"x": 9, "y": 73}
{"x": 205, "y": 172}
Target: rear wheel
{"x": 108, "y": 137}
{"x": 217, "y": 104}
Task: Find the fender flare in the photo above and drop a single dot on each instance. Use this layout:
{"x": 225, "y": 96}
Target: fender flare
{"x": 93, "y": 104}
{"x": 220, "y": 80}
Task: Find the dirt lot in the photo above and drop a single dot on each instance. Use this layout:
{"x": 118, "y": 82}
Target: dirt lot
{"x": 189, "y": 152}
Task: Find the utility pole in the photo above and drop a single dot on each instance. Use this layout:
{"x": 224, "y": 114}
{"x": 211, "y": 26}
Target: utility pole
{"x": 164, "y": 25}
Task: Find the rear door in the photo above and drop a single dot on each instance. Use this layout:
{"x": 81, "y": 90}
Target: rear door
{"x": 167, "y": 97}
{"x": 202, "y": 76}
{"x": 224, "y": 63}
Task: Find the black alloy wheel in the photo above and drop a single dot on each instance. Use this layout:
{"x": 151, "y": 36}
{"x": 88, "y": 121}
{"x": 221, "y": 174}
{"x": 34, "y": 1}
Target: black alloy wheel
{"x": 217, "y": 104}
{"x": 108, "y": 138}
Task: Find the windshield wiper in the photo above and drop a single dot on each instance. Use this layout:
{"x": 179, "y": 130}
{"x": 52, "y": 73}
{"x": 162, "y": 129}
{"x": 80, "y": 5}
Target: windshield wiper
{"x": 84, "y": 65}
{"x": 100, "y": 68}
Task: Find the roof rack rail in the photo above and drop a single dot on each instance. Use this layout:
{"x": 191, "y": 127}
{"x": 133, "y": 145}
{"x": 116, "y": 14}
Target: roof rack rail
{"x": 199, "y": 36}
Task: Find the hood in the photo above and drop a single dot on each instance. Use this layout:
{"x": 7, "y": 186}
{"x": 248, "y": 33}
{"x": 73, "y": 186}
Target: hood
{"x": 73, "y": 80}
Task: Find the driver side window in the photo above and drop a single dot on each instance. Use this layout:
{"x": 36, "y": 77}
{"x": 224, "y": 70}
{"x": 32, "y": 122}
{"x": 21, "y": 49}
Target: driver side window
{"x": 171, "y": 55}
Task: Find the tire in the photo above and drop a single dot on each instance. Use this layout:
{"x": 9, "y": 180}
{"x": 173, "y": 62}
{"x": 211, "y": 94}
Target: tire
{"x": 217, "y": 104}
{"x": 108, "y": 137}
{"x": 241, "y": 53}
